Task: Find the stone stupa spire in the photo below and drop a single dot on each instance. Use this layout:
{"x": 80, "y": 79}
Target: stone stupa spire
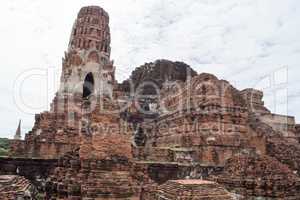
{"x": 18, "y": 132}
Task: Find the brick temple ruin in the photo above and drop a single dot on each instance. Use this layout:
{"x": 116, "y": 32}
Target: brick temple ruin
{"x": 165, "y": 133}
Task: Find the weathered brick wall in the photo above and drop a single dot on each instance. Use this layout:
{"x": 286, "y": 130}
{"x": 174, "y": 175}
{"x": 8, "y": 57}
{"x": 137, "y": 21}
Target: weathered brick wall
{"x": 285, "y": 150}
{"x": 17, "y": 148}
{"x": 78, "y": 177}
{"x": 99, "y": 147}
{"x": 254, "y": 100}
{"x": 212, "y": 108}
{"x": 259, "y": 176}
{"x": 212, "y": 120}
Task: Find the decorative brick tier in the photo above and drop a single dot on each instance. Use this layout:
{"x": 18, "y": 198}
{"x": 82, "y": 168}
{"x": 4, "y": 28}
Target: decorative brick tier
{"x": 191, "y": 189}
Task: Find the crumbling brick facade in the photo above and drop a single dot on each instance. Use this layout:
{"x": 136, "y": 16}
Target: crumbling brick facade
{"x": 113, "y": 143}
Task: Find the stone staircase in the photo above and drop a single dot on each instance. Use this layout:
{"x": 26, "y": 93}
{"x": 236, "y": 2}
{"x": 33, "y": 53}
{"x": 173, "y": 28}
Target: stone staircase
{"x": 12, "y": 187}
{"x": 192, "y": 189}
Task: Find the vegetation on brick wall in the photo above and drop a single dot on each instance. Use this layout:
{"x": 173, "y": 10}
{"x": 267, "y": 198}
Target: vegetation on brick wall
{"x": 4, "y": 146}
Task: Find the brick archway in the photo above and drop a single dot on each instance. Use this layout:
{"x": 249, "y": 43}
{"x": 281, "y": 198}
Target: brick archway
{"x": 88, "y": 85}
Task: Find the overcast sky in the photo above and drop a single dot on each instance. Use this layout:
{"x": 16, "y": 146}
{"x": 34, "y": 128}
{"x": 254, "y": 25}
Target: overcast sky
{"x": 251, "y": 43}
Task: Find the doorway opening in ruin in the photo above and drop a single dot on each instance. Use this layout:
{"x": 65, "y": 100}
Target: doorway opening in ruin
{"x": 88, "y": 85}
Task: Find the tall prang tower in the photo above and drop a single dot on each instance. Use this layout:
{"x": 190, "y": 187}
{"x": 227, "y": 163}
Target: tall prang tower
{"x": 84, "y": 98}
{"x": 87, "y": 68}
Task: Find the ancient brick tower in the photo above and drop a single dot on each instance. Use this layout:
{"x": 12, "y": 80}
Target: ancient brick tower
{"x": 86, "y": 66}
{"x": 86, "y": 90}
